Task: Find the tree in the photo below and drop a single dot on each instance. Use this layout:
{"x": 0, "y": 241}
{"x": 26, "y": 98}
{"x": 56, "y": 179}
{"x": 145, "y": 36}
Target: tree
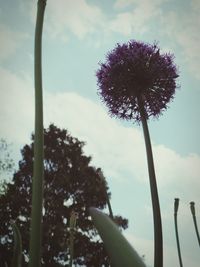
{"x": 6, "y": 164}
{"x": 71, "y": 184}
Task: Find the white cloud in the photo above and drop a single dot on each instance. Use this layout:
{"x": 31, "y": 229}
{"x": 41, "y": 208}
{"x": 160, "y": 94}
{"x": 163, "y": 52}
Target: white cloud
{"x": 122, "y": 23}
{"x": 10, "y": 41}
{"x": 145, "y": 247}
{"x": 78, "y": 17}
{"x": 119, "y": 4}
{"x": 123, "y": 3}
{"x": 137, "y": 18}
{"x": 195, "y": 4}
{"x": 63, "y": 18}
{"x": 182, "y": 27}
{"x": 16, "y": 107}
{"x": 82, "y": 18}
{"x": 187, "y": 169}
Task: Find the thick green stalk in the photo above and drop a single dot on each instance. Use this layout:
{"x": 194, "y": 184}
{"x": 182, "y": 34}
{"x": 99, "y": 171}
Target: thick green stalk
{"x": 71, "y": 246}
{"x": 158, "y": 239}
{"x": 17, "y": 251}
{"x": 176, "y": 204}
{"x": 72, "y": 226}
{"x": 37, "y": 187}
{"x": 192, "y": 207}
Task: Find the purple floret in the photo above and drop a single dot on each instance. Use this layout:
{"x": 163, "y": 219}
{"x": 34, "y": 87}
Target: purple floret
{"x": 137, "y": 70}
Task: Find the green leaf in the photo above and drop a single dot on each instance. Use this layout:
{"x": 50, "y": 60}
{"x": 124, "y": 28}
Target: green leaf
{"x": 17, "y": 252}
{"x": 120, "y": 251}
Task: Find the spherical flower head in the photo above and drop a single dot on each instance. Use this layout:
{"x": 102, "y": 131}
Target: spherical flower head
{"x": 133, "y": 71}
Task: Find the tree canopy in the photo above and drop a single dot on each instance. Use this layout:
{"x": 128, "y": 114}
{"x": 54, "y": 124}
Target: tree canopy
{"x": 6, "y": 164}
{"x": 71, "y": 183}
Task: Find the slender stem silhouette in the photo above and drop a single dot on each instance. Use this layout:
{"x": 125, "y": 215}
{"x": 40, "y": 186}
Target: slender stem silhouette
{"x": 109, "y": 206}
{"x": 71, "y": 247}
{"x": 38, "y": 169}
{"x": 192, "y": 208}
{"x": 158, "y": 239}
{"x": 99, "y": 171}
{"x": 176, "y": 204}
{"x": 72, "y": 226}
{"x": 17, "y": 251}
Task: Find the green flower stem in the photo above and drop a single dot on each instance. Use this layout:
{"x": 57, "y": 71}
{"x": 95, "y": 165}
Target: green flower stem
{"x": 158, "y": 239}
{"x": 109, "y": 206}
{"x": 72, "y": 227}
{"x": 17, "y": 252}
{"x": 176, "y": 204}
{"x": 38, "y": 169}
{"x": 192, "y": 207}
{"x": 107, "y": 196}
{"x": 71, "y": 247}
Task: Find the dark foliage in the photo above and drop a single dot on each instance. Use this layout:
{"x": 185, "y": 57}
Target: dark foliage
{"x": 137, "y": 70}
{"x": 71, "y": 183}
{"x": 6, "y": 164}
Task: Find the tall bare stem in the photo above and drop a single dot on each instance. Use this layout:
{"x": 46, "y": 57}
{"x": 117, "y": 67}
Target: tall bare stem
{"x": 37, "y": 187}
{"x": 192, "y": 208}
{"x": 158, "y": 239}
{"x": 176, "y": 204}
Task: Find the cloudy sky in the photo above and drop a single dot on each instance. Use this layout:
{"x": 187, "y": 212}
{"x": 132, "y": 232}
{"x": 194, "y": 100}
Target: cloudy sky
{"x": 77, "y": 36}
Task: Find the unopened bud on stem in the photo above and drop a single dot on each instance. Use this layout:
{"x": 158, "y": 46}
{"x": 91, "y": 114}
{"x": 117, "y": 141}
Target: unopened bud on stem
{"x": 176, "y": 204}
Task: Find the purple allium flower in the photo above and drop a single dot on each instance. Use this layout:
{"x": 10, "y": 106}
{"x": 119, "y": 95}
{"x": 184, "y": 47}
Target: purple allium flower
{"x": 137, "y": 70}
